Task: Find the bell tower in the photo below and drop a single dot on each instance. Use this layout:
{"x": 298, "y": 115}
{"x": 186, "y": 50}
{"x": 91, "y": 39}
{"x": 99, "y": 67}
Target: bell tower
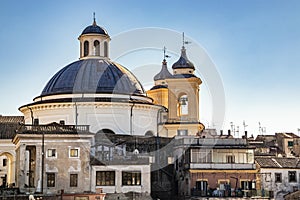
{"x": 183, "y": 98}
{"x": 159, "y": 92}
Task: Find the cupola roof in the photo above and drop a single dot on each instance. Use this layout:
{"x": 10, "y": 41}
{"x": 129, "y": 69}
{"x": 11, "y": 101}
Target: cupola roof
{"x": 94, "y": 29}
{"x": 183, "y": 62}
{"x": 164, "y": 72}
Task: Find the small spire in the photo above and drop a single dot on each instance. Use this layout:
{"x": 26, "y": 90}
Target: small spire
{"x": 94, "y": 22}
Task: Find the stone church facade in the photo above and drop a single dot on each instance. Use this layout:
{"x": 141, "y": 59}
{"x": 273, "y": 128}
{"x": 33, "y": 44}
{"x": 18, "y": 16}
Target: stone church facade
{"x": 94, "y": 127}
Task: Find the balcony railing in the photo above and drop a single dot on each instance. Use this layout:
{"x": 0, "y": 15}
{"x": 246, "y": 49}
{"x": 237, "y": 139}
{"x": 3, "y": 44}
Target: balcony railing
{"x": 221, "y": 166}
{"x": 195, "y": 141}
{"x": 53, "y": 129}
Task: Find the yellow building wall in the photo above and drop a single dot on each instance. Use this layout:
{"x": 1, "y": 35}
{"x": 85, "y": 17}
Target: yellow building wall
{"x": 159, "y": 96}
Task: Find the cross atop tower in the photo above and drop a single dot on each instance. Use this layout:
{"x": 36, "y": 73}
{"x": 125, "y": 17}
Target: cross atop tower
{"x": 94, "y": 18}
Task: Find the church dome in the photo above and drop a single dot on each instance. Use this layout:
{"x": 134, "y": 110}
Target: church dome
{"x": 93, "y": 76}
{"x": 183, "y": 62}
{"x": 95, "y": 29}
{"x": 164, "y": 72}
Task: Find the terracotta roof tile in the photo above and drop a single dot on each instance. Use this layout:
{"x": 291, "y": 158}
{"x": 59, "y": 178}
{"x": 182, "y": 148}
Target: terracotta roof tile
{"x": 275, "y": 162}
{"x": 11, "y": 119}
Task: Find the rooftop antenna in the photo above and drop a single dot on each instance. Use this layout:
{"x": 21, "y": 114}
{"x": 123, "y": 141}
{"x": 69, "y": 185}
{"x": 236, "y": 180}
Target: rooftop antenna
{"x": 259, "y": 128}
{"x": 237, "y": 131}
{"x": 245, "y": 125}
{"x": 232, "y": 127}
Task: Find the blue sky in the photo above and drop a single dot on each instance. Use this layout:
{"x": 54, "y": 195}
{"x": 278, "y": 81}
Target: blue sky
{"x": 254, "y": 44}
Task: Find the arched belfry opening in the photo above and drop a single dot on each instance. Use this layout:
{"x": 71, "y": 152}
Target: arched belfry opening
{"x": 183, "y": 105}
{"x": 85, "y": 48}
{"x": 105, "y": 49}
{"x": 96, "y": 48}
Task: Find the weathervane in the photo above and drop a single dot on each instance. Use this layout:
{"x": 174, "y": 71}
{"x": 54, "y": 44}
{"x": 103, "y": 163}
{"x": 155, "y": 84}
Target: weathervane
{"x": 184, "y": 41}
{"x": 165, "y": 55}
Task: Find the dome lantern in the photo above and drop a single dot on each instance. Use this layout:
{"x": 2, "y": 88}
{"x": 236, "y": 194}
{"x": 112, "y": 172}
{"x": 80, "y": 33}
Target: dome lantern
{"x": 94, "y": 42}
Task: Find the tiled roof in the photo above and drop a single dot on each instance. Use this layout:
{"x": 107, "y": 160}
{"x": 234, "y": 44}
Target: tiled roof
{"x": 275, "y": 162}
{"x": 287, "y": 135}
{"x": 11, "y": 119}
{"x": 266, "y": 138}
{"x": 9, "y": 125}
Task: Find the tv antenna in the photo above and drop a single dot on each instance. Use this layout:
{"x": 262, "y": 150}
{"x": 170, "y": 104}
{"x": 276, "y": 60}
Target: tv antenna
{"x": 245, "y": 125}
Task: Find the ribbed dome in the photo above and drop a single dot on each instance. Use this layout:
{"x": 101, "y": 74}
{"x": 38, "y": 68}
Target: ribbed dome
{"x": 183, "y": 61}
{"x": 164, "y": 72}
{"x": 93, "y": 76}
{"x": 94, "y": 28}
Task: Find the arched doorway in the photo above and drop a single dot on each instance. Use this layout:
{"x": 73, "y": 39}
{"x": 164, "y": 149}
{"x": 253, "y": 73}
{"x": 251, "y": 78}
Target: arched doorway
{"x": 7, "y": 169}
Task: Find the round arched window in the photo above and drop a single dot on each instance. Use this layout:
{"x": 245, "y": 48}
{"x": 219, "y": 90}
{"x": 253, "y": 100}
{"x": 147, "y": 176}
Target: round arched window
{"x": 85, "y": 48}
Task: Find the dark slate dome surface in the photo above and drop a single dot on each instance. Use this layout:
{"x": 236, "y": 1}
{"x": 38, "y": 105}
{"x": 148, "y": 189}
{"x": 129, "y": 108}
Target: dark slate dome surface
{"x": 93, "y": 76}
{"x": 94, "y": 29}
{"x": 164, "y": 72}
{"x": 183, "y": 61}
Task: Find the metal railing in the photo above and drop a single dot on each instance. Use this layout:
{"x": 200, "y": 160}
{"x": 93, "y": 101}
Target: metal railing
{"x": 53, "y": 129}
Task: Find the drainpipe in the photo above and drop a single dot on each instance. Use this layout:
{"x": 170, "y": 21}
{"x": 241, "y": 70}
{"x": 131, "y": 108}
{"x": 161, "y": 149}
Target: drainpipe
{"x": 131, "y": 116}
{"x": 31, "y": 114}
{"x": 76, "y": 115}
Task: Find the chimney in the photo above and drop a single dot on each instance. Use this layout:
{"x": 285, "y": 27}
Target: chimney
{"x": 229, "y": 132}
{"x": 221, "y": 132}
{"x": 246, "y": 134}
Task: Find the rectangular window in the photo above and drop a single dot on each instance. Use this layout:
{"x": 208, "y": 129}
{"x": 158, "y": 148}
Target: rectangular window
{"x": 73, "y": 180}
{"x": 290, "y": 143}
{"x": 182, "y": 132}
{"x": 50, "y": 179}
{"x": 105, "y": 178}
{"x": 74, "y": 153}
{"x": 247, "y": 185}
{"x": 230, "y": 159}
{"x": 278, "y": 178}
{"x": 4, "y": 162}
{"x": 51, "y": 153}
{"x": 201, "y": 156}
{"x": 131, "y": 178}
{"x": 292, "y": 176}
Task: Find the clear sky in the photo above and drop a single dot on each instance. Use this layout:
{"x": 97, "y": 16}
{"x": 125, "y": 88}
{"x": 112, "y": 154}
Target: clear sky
{"x": 254, "y": 44}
